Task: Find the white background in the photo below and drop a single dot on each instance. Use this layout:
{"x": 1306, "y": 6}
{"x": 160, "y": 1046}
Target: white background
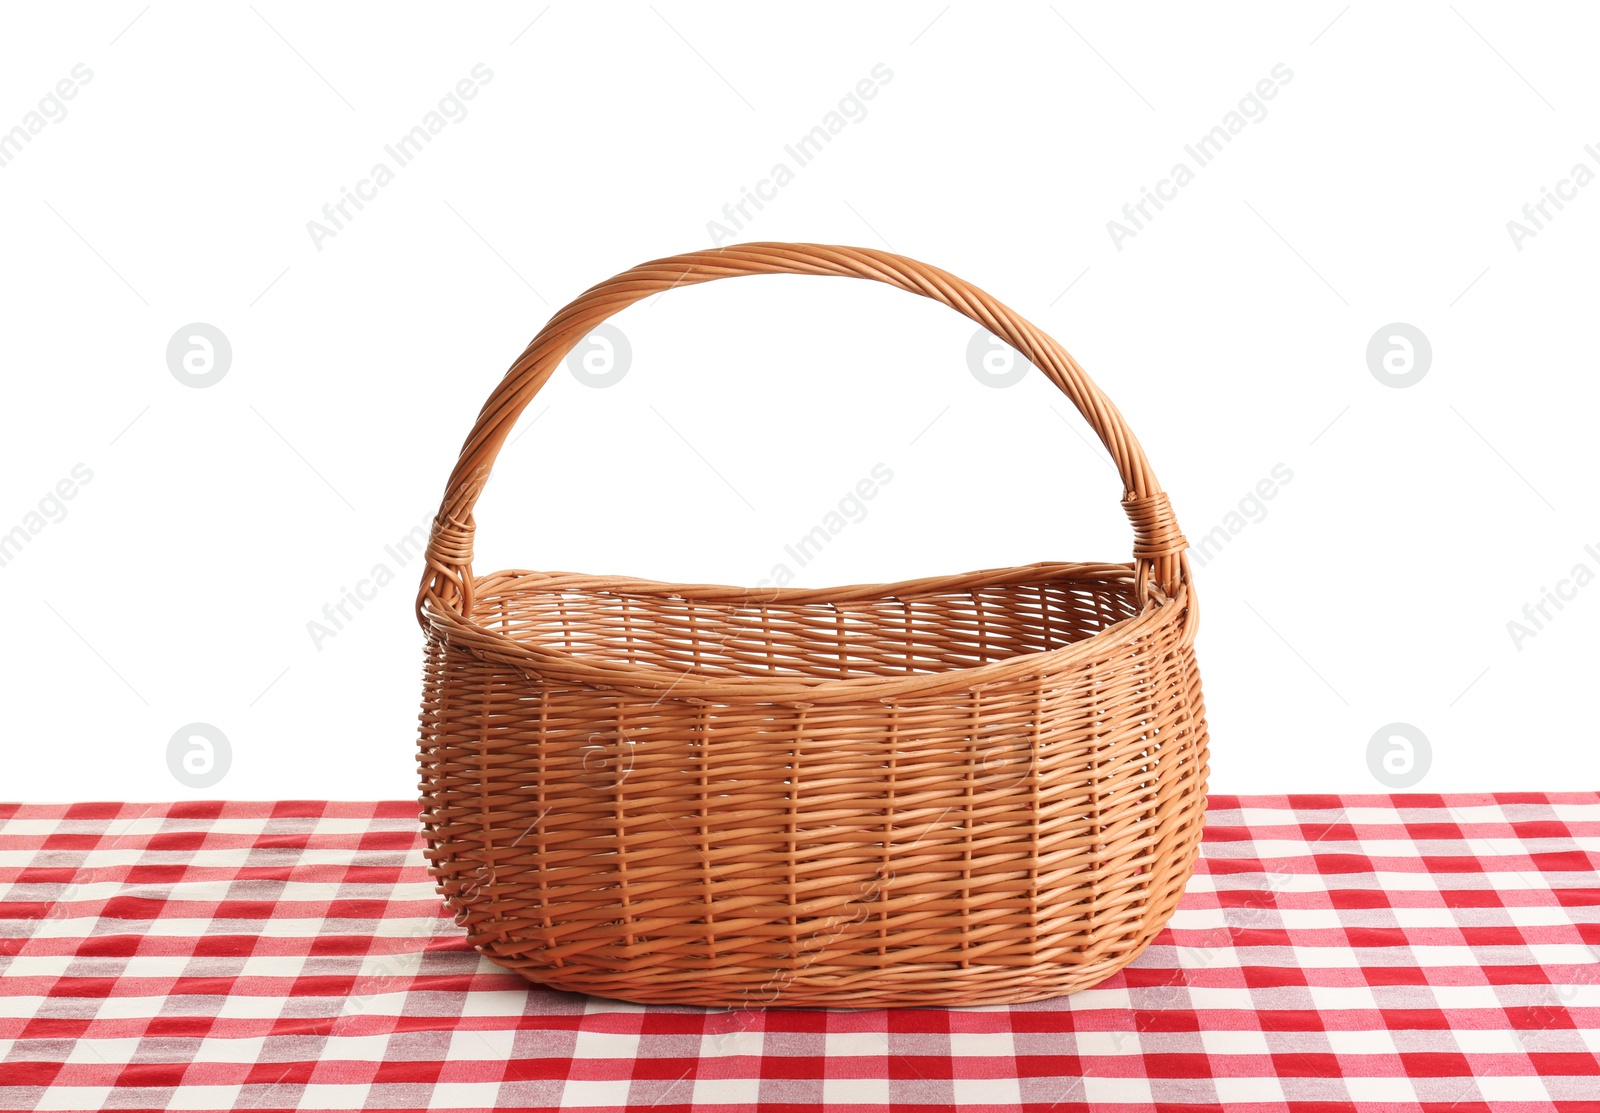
{"x": 1232, "y": 331}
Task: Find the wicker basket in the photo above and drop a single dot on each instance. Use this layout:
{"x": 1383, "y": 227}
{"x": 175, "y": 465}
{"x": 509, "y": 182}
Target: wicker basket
{"x": 974, "y": 789}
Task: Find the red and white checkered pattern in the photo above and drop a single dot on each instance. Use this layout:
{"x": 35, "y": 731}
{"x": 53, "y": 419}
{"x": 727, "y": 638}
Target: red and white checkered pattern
{"x": 1331, "y": 953}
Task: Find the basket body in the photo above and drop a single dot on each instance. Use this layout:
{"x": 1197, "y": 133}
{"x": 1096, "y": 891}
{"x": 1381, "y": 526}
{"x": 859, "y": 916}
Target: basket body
{"x": 993, "y": 792}
{"x": 976, "y": 789}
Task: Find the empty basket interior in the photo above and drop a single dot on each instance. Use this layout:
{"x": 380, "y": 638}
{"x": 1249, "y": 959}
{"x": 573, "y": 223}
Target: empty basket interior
{"x": 927, "y": 627}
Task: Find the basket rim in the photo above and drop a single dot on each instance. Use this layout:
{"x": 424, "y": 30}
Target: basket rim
{"x": 461, "y": 632}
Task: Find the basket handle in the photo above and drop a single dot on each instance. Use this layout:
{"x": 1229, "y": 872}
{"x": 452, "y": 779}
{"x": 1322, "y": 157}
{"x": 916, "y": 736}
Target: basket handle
{"x": 1158, "y": 545}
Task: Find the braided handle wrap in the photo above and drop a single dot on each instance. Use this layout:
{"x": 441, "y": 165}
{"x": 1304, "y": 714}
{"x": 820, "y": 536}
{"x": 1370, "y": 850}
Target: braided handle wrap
{"x": 1158, "y": 543}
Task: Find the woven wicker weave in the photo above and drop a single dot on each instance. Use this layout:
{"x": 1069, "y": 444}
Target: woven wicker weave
{"x": 973, "y": 789}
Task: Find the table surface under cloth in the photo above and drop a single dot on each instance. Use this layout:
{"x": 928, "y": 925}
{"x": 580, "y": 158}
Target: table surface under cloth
{"x": 1359, "y": 952}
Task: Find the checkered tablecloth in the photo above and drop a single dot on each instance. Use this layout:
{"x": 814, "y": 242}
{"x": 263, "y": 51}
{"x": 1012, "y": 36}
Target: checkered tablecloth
{"x": 1331, "y": 953}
